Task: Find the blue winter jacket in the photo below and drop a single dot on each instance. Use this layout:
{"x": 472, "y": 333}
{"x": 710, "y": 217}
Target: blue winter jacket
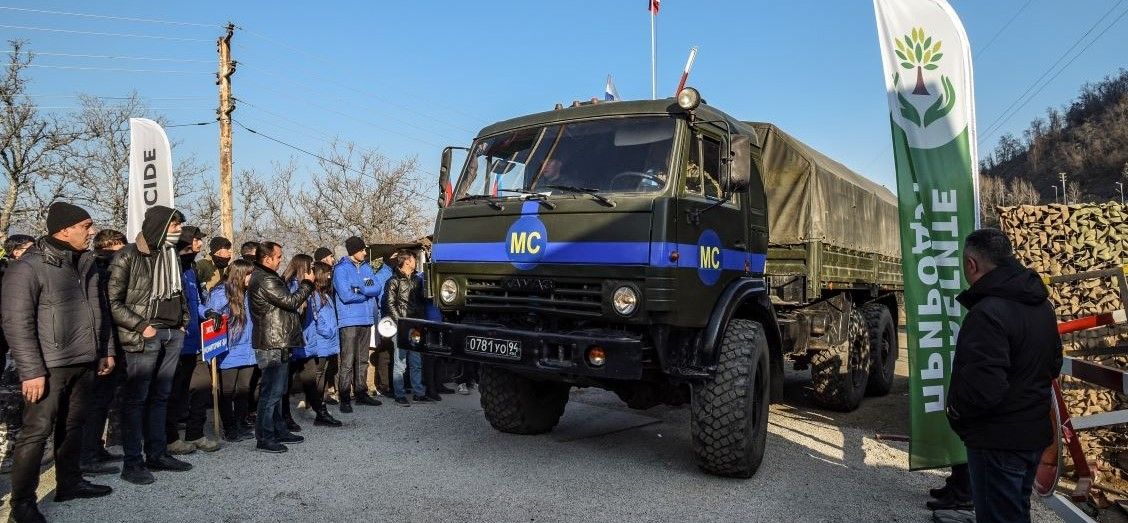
{"x": 196, "y": 310}
{"x": 357, "y": 303}
{"x": 322, "y": 338}
{"x": 239, "y": 351}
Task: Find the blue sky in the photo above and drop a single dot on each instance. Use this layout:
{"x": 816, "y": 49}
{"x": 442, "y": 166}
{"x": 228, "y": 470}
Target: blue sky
{"x": 410, "y": 77}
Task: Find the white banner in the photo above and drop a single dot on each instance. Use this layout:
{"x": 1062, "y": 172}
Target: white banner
{"x": 150, "y": 172}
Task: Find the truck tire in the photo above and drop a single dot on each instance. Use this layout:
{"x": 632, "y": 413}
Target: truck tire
{"x": 729, "y": 412}
{"x": 883, "y": 348}
{"x": 839, "y": 374}
{"x": 519, "y": 405}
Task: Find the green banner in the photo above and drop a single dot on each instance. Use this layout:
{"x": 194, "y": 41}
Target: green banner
{"x": 937, "y": 212}
{"x": 928, "y": 80}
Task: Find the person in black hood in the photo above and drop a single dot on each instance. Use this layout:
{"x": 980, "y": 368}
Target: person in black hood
{"x": 55, "y": 323}
{"x": 95, "y": 458}
{"x": 1007, "y": 354}
{"x": 148, "y": 303}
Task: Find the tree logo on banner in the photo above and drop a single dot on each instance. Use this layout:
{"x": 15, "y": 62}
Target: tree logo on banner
{"x": 918, "y": 51}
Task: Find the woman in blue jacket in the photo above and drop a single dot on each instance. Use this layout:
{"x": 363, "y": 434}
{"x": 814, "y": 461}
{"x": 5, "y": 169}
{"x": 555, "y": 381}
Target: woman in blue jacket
{"x": 237, "y": 364}
{"x": 322, "y": 342}
{"x": 298, "y": 267}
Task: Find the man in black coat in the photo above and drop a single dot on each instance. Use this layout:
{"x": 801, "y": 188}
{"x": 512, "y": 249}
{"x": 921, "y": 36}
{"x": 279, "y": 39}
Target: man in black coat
{"x": 277, "y": 328}
{"x": 148, "y": 304}
{"x": 95, "y": 458}
{"x": 1007, "y": 354}
{"x": 57, "y": 328}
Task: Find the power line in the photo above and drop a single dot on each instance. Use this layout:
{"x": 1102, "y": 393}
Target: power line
{"x": 315, "y": 155}
{"x": 1007, "y": 113}
{"x": 289, "y": 78}
{"x": 324, "y": 59}
{"x": 346, "y": 115}
{"x": 314, "y": 89}
{"x": 96, "y": 33}
{"x": 116, "y": 57}
{"x": 118, "y": 97}
{"x": 107, "y": 17}
{"x": 115, "y": 69}
{"x": 1001, "y": 29}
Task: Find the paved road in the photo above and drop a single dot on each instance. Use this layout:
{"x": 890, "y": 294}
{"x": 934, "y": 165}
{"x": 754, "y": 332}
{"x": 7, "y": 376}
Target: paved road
{"x": 603, "y": 463}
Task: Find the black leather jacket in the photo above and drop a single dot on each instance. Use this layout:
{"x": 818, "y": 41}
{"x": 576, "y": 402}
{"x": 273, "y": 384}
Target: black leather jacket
{"x": 131, "y": 284}
{"x": 274, "y": 310}
{"x": 401, "y": 298}
{"x": 54, "y": 314}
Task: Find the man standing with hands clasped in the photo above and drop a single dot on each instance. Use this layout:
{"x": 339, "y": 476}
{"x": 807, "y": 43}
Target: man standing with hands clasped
{"x": 358, "y": 291}
{"x": 1007, "y": 354}
{"x": 58, "y": 330}
{"x": 276, "y": 328}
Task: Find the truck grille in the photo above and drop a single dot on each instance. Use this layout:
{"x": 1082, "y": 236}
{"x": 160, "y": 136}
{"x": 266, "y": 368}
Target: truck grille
{"x": 542, "y": 294}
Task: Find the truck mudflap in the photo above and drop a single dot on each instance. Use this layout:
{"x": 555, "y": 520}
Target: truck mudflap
{"x": 549, "y": 353}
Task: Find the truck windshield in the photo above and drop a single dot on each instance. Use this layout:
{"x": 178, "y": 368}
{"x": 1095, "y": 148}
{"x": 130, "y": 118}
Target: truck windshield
{"x": 614, "y": 155}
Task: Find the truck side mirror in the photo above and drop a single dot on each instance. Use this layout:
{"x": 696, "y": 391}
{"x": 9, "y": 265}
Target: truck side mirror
{"x": 738, "y": 167}
{"x": 446, "y": 192}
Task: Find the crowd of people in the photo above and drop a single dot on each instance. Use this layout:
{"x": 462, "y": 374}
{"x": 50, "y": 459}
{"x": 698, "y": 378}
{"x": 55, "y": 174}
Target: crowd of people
{"x": 115, "y": 331}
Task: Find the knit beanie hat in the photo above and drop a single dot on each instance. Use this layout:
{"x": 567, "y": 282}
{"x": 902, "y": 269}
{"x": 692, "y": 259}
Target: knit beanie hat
{"x": 61, "y": 215}
{"x": 321, "y": 253}
{"x": 354, "y": 245}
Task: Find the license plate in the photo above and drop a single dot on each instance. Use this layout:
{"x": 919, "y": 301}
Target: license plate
{"x": 508, "y": 349}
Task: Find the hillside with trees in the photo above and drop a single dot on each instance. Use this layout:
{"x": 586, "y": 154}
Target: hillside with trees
{"x": 1087, "y": 139}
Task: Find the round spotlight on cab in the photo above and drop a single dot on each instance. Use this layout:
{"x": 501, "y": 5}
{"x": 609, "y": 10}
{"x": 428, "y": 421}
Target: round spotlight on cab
{"x": 415, "y": 336}
{"x": 624, "y": 300}
{"x": 448, "y": 291}
{"x": 596, "y": 356}
{"x": 689, "y": 99}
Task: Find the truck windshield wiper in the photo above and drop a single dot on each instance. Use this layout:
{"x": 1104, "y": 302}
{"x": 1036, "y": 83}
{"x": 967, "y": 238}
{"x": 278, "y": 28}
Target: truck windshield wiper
{"x": 584, "y": 190}
{"x": 482, "y": 197}
{"x": 532, "y": 195}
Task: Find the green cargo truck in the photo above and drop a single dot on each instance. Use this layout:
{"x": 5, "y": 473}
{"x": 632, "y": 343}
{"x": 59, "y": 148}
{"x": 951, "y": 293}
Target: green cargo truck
{"x": 667, "y": 252}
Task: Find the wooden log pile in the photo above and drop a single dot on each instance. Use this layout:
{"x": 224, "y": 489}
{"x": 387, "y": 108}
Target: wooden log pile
{"x": 1068, "y": 239}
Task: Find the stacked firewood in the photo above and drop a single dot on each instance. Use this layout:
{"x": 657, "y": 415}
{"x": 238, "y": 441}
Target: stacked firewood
{"x": 1059, "y": 240}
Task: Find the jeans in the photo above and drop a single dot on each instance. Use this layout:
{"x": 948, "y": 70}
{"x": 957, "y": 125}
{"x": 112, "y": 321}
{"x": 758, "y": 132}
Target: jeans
{"x": 148, "y": 382}
{"x": 190, "y": 398}
{"x": 102, "y": 390}
{"x": 352, "y": 375}
{"x": 399, "y": 365}
{"x": 275, "y": 365}
{"x": 61, "y": 412}
{"x": 1001, "y": 481}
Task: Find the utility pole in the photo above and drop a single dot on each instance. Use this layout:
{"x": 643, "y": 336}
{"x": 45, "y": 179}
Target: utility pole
{"x": 1120, "y": 187}
{"x": 1064, "y": 194}
{"x": 1055, "y": 193}
{"x": 226, "y": 107}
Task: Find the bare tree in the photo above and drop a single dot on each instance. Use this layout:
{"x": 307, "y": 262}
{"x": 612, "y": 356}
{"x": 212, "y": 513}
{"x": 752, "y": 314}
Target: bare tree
{"x": 98, "y": 163}
{"x": 354, "y": 191}
{"x": 30, "y": 148}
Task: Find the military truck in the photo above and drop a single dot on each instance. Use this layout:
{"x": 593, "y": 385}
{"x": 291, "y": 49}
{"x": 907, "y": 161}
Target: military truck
{"x": 665, "y": 251}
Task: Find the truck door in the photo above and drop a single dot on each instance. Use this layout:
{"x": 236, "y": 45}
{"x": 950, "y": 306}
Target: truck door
{"x": 712, "y": 239}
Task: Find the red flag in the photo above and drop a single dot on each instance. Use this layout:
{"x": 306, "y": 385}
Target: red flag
{"x": 654, "y": 5}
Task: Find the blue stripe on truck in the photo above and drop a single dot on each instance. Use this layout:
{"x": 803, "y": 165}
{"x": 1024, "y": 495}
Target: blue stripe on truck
{"x": 597, "y": 253}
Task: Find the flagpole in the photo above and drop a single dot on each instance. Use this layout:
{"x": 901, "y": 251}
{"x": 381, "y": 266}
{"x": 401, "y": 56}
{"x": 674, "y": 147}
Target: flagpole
{"x": 653, "y": 60}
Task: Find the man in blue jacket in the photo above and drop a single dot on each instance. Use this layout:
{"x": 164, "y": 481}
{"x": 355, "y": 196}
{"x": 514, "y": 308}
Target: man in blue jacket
{"x": 357, "y": 295}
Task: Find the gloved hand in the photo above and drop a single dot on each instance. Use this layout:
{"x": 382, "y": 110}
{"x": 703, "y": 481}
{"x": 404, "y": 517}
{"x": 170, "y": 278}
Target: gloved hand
{"x": 213, "y": 315}
{"x": 368, "y": 282}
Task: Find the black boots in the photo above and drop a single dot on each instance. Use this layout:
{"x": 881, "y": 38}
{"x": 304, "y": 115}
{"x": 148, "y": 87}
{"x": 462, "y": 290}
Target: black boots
{"x": 323, "y": 419}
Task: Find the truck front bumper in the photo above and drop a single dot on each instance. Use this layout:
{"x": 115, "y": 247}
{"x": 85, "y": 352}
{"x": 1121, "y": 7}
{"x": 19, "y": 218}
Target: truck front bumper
{"x": 541, "y": 352}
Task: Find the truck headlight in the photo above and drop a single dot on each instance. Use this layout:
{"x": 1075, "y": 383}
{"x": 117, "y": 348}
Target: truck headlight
{"x": 625, "y": 300}
{"x": 448, "y": 291}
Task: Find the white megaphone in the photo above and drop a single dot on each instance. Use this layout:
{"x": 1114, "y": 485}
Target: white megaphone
{"x": 386, "y": 327}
